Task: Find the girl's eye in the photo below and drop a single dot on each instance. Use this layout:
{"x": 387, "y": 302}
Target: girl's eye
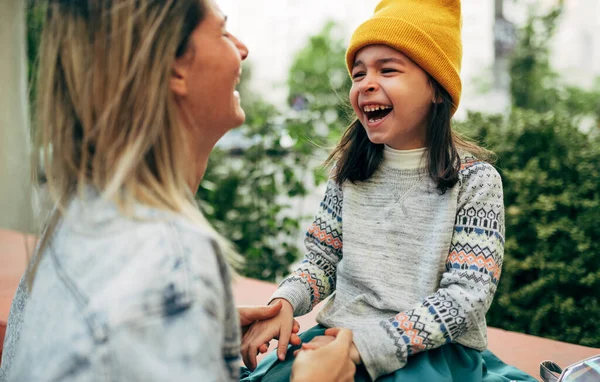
{"x": 388, "y": 70}
{"x": 358, "y": 75}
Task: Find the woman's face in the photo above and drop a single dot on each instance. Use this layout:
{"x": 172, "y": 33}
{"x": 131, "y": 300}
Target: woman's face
{"x": 205, "y": 78}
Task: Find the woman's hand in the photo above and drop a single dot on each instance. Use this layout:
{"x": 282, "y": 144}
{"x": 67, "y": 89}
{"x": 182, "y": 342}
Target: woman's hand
{"x": 282, "y": 326}
{"x": 321, "y": 341}
{"x": 329, "y": 363}
{"x": 251, "y": 314}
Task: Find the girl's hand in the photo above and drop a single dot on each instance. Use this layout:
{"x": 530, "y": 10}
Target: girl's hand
{"x": 321, "y": 341}
{"x": 257, "y": 337}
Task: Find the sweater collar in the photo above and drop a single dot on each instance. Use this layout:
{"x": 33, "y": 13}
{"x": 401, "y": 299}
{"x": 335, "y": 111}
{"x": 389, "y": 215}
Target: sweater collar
{"x": 404, "y": 159}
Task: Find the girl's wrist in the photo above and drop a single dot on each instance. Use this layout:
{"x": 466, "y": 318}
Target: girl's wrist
{"x": 282, "y": 301}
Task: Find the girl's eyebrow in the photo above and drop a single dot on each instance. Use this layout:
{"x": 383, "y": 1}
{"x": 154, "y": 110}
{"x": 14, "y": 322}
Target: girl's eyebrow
{"x": 357, "y": 63}
{"x": 382, "y": 61}
{"x": 395, "y": 60}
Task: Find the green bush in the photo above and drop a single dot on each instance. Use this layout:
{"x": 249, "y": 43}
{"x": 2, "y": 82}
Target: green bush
{"x": 550, "y": 285}
{"x": 548, "y": 152}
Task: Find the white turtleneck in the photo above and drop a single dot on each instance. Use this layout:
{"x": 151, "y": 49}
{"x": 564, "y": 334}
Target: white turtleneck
{"x": 404, "y": 159}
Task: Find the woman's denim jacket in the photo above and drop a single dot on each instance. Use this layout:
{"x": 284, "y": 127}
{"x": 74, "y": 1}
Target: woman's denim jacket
{"x": 124, "y": 299}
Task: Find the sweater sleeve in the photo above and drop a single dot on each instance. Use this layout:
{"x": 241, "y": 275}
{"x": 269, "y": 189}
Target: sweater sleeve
{"x": 466, "y": 288}
{"x": 314, "y": 279}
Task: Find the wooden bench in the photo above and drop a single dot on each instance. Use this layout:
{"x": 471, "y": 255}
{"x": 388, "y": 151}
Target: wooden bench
{"x": 521, "y": 350}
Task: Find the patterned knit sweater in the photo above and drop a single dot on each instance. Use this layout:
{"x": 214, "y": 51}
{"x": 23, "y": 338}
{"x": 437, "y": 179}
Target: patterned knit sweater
{"x": 415, "y": 269}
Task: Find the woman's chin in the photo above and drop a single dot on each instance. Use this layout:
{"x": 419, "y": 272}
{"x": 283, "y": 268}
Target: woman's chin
{"x": 240, "y": 118}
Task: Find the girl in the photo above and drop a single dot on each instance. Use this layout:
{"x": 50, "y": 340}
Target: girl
{"x": 417, "y": 263}
{"x": 129, "y": 281}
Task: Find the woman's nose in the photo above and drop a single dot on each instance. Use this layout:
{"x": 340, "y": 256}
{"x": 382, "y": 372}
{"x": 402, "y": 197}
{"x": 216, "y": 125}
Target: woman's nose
{"x": 242, "y": 48}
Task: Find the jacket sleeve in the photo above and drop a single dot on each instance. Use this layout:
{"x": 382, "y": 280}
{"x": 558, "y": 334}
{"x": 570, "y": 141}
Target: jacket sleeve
{"x": 466, "y": 288}
{"x": 314, "y": 279}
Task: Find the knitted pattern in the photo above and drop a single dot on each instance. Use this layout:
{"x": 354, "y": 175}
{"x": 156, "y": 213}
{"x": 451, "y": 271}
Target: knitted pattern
{"x": 418, "y": 269}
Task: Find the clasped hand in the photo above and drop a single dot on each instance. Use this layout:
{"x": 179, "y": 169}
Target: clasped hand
{"x": 260, "y": 325}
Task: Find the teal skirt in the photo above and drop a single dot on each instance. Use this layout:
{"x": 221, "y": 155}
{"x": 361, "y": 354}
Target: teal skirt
{"x": 452, "y": 362}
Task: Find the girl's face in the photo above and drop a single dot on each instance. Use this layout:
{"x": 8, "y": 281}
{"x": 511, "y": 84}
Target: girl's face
{"x": 391, "y": 96}
{"x": 205, "y": 77}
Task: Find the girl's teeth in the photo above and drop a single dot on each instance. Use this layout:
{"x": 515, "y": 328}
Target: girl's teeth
{"x": 368, "y": 109}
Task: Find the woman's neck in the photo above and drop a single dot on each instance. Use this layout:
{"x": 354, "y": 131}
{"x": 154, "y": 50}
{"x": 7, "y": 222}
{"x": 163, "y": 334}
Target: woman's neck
{"x": 199, "y": 152}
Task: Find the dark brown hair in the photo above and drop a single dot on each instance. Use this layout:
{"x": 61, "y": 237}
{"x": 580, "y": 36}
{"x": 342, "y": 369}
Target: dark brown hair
{"x": 357, "y": 158}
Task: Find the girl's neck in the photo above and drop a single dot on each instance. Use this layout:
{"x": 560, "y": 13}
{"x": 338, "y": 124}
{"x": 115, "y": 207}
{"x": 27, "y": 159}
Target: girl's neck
{"x": 404, "y": 159}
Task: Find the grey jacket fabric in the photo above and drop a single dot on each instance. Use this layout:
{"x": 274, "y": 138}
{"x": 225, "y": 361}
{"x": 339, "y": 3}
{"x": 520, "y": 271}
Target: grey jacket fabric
{"x": 125, "y": 299}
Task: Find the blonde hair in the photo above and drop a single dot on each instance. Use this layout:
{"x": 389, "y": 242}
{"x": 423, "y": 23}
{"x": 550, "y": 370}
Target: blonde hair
{"x": 106, "y": 116}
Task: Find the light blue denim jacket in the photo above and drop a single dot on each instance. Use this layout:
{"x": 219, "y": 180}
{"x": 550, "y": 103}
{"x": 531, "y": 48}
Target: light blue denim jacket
{"x": 121, "y": 299}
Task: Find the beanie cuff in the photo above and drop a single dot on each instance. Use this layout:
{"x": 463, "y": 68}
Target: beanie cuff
{"x": 412, "y": 41}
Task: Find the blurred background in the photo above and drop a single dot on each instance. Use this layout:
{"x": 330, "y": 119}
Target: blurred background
{"x": 531, "y": 80}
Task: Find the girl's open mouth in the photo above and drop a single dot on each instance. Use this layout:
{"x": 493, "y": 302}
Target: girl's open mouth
{"x": 376, "y": 113}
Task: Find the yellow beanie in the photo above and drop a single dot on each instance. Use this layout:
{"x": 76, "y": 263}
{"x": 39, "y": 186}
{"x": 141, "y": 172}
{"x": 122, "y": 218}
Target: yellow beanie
{"x": 427, "y": 31}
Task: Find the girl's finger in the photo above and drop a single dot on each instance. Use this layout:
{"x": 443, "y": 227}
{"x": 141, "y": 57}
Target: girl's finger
{"x": 245, "y": 357}
{"x": 284, "y": 338}
{"x": 263, "y": 348}
{"x": 295, "y": 340}
{"x": 296, "y": 327}
{"x": 252, "y": 353}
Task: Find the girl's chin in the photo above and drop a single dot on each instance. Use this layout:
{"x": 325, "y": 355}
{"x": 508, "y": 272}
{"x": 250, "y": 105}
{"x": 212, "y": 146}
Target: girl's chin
{"x": 377, "y": 139}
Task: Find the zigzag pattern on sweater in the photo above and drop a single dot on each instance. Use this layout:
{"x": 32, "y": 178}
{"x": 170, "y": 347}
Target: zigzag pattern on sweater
{"x": 438, "y": 320}
{"x": 399, "y": 341}
{"x": 481, "y": 259}
{"x": 469, "y": 275}
{"x": 324, "y": 234}
{"x": 316, "y": 286}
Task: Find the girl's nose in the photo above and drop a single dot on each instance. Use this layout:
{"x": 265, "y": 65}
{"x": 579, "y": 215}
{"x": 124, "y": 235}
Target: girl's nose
{"x": 368, "y": 85}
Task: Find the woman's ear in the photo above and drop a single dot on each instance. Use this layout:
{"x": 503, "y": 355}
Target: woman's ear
{"x": 179, "y": 77}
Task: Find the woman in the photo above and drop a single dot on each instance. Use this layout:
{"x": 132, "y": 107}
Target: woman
{"x": 129, "y": 281}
